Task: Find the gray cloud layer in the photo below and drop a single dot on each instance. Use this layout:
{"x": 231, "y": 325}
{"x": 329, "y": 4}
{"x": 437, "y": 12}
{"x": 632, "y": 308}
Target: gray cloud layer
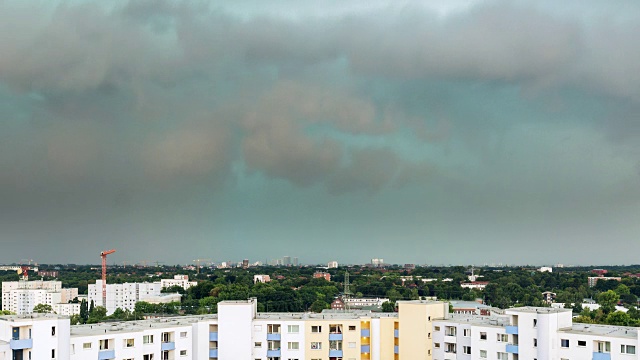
{"x": 153, "y": 117}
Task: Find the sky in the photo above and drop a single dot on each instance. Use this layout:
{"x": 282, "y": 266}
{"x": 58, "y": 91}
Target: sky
{"x": 451, "y": 132}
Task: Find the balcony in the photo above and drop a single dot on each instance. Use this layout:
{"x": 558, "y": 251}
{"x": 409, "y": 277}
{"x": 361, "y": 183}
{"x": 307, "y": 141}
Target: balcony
{"x": 213, "y": 336}
{"x": 335, "y": 353}
{"x": 273, "y": 336}
{"x": 601, "y": 356}
{"x": 512, "y": 349}
{"x": 106, "y": 354}
{"x": 511, "y": 330}
{"x": 365, "y": 349}
{"x": 396, "y": 350}
{"x": 213, "y": 353}
{"x": 167, "y": 346}
{"x": 273, "y": 353}
{"x": 395, "y": 333}
{"x": 16, "y": 344}
{"x": 365, "y": 333}
{"x": 335, "y": 336}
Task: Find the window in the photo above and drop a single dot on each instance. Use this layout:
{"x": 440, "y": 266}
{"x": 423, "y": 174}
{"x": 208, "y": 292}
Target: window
{"x": 483, "y": 354}
{"x": 352, "y": 345}
{"x": 128, "y": 343}
{"x": 257, "y": 344}
{"x": 483, "y": 336}
{"x": 503, "y": 337}
{"x": 436, "y": 328}
{"x": 316, "y": 329}
{"x": 602, "y": 346}
{"x": 86, "y": 345}
{"x": 352, "y": 328}
{"x": 335, "y": 345}
{"x": 104, "y": 344}
{"x": 582, "y": 343}
{"x": 503, "y": 356}
{"x": 564, "y": 343}
{"x": 450, "y": 331}
{"x": 166, "y": 337}
{"x": 73, "y": 349}
{"x": 466, "y": 350}
{"x": 535, "y": 322}
{"x": 147, "y": 357}
{"x": 53, "y": 331}
{"x": 53, "y": 353}
{"x": 627, "y": 349}
{"x": 535, "y": 342}
{"x": 436, "y": 345}
{"x": 466, "y": 332}
{"x": 335, "y": 329}
{"x": 273, "y": 345}
{"x": 147, "y": 339}
{"x": 183, "y": 334}
{"x": 183, "y": 352}
{"x": 450, "y": 348}
{"x": 316, "y": 345}
{"x": 293, "y": 345}
{"x": 273, "y": 329}
{"x": 293, "y": 329}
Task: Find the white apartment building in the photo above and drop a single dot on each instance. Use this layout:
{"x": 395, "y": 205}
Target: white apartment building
{"x": 531, "y": 333}
{"x": 261, "y": 278}
{"x": 332, "y": 264}
{"x": 21, "y": 297}
{"x": 178, "y": 280}
{"x": 123, "y": 296}
{"x": 421, "y": 330}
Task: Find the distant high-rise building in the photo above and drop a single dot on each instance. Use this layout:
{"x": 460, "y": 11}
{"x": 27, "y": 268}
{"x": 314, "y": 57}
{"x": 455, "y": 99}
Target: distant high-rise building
{"x": 377, "y": 262}
{"x": 295, "y": 261}
{"x": 245, "y": 263}
{"x": 332, "y": 264}
{"x": 286, "y": 261}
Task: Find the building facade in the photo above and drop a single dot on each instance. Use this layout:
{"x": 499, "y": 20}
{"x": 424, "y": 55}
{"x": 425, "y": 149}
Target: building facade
{"x": 421, "y": 330}
{"x": 21, "y": 297}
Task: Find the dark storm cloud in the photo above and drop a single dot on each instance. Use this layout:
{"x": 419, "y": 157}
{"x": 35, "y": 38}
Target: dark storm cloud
{"x": 113, "y": 108}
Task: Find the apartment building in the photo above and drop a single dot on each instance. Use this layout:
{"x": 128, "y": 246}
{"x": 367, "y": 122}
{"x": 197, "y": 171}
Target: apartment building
{"x": 178, "y": 280}
{"x": 21, "y": 297}
{"x": 531, "y": 333}
{"x": 124, "y": 296}
{"x": 238, "y": 331}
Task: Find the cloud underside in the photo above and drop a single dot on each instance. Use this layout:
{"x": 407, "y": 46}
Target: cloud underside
{"x": 498, "y": 103}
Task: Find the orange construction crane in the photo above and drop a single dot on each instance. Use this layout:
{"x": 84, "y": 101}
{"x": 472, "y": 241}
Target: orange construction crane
{"x": 103, "y": 255}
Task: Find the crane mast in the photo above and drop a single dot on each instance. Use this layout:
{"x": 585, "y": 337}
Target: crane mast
{"x": 103, "y": 255}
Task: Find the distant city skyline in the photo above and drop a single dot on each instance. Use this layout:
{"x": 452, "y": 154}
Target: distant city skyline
{"x": 426, "y": 132}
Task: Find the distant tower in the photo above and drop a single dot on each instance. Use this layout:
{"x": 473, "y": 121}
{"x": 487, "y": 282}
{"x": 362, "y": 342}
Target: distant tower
{"x": 347, "y": 291}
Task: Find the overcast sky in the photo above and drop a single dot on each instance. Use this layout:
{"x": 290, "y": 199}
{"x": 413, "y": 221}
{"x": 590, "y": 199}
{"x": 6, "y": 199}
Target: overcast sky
{"x": 433, "y": 133}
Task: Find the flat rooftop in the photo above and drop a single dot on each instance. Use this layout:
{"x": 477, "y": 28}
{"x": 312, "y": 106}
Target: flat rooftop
{"x": 538, "y": 310}
{"x": 31, "y": 317}
{"x": 607, "y": 330}
{"x": 138, "y": 325}
{"x": 493, "y": 320}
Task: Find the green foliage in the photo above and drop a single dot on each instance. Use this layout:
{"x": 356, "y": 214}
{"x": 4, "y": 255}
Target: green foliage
{"x": 43, "y": 309}
{"x": 6, "y": 312}
{"x": 98, "y": 314}
{"x": 608, "y": 301}
{"x": 319, "y": 305}
{"x": 388, "y": 307}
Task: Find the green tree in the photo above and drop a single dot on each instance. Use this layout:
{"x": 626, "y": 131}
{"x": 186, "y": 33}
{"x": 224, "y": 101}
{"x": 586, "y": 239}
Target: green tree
{"x": 98, "y": 314}
{"x": 608, "y": 301}
{"x": 388, "y": 307}
{"x": 318, "y": 306}
{"x": 43, "y": 309}
{"x": 75, "y": 319}
{"x": 6, "y": 312}
{"x": 84, "y": 311}
{"x": 91, "y": 307}
{"x": 620, "y": 318}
